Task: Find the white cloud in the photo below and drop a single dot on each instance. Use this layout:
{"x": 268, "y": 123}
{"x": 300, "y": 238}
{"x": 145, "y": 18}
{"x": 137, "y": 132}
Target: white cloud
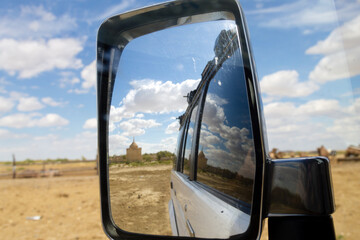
{"x": 6, "y": 104}
{"x": 17, "y": 95}
{"x": 51, "y": 120}
{"x": 287, "y": 113}
{"x": 348, "y": 126}
{"x": 68, "y": 79}
{"x": 118, "y": 144}
{"x": 28, "y": 104}
{"x": 53, "y": 146}
{"x": 341, "y": 52}
{"x": 89, "y": 75}
{"x": 78, "y": 91}
{"x": 29, "y": 58}
{"x": 6, "y": 134}
{"x": 172, "y": 127}
{"x": 51, "y": 102}
{"x": 90, "y": 123}
{"x": 21, "y": 120}
{"x": 286, "y": 84}
{"x": 166, "y": 144}
{"x": 346, "y": 36}
{"x": 306, "y": 14}
{"x": 208, "y": 139}
{"x": 321, "y": 107}
{"x": 136, "y": 127}
{"x": 149, "y": 96}
{"x": 314, "y": 123}
{"x": 34, "y": 21}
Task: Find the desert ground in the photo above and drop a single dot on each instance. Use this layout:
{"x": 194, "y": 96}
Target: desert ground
{"x": 68, "y": 207}
{"x": 139, "y": 198}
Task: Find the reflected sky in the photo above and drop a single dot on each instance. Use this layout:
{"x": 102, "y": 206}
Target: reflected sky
{"x": 226, "y": 134}
{"x": 156, "y": 71}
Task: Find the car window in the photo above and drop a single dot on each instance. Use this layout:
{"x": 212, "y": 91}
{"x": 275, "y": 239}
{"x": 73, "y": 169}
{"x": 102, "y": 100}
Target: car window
{"x": 177, "y": 158}
{"x": 226, "y": 159}
{"x": 188, "y": 142}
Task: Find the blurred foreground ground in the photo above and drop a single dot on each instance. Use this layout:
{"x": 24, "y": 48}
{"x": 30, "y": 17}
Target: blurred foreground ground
{"x": 69, "y": 206}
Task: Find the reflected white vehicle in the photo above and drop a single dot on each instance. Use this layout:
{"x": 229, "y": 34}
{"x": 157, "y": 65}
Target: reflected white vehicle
{"x": 212, "y": 179}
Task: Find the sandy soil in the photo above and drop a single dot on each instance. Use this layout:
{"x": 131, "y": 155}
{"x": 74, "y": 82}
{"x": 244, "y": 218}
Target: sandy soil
{"x": 69, "y": 206}
{"x": 139, "y": 198}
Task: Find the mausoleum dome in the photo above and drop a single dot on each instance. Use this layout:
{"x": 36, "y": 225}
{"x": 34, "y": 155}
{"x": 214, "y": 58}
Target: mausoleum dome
{"x": 134, "y": 145}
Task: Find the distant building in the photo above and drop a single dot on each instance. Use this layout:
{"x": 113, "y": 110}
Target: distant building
{"x": 133, "y": 153}
{"x": 202, "y": 160}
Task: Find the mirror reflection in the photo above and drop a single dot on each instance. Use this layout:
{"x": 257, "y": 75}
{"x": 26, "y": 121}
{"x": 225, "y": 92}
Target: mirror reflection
{"x": 180, "y": 135}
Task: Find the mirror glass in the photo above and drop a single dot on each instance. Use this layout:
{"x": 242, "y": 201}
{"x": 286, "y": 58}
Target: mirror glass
{"x": 180, "y": 98}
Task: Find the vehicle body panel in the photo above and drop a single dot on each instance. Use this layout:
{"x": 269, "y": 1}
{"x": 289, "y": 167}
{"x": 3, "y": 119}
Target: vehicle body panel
{"x": 207, "y": 214}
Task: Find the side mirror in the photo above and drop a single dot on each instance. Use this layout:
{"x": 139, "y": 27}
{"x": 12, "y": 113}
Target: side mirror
{"x": 193, "y": 58}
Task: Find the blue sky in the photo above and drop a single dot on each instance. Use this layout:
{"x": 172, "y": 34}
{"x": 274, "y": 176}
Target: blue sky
{"x": 309, "y": 77}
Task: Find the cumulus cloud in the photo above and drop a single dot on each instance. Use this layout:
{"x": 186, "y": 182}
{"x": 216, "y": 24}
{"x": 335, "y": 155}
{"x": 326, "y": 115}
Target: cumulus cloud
{"x": 29, "y": 58}
{"x": 341, "y": 52}
{"x": 68, "y": 79}
{"x": 90, "y": 123}
{"x": 208, "y": 139}
{"x": 286, "y": 84}
{"x": 136, "y": 127}
{"x": 21, "y": 120}
{"x": 6, "y": 104}
{"x": 118, "y": 144}
{"x": 219, "y": 140}
{"x": 346, "y": 36}
{"x": 51, "y": 102}
{"x": 34, "y": 21}
{"x": 347, "y": 128}
{"x": 311, "y": 124}
{"x": 149, "y": 96}
{"x": 172, "y": 128}
{"x": 28, "y": 104}
{"x": 166, "y": 144}
{"x": 88, "y": 74}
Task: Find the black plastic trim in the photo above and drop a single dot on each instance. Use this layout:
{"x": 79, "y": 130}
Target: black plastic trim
{"x": 301, "y": 228}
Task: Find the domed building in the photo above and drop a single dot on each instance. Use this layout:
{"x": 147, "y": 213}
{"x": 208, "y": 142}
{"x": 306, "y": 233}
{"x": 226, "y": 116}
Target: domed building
{"x": 133, "y": 153}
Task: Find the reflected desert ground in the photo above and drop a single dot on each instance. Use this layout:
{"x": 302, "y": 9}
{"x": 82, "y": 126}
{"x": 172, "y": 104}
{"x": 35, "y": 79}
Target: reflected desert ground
{"x": 69, "y": 206}
{"x": 139, "y": 198}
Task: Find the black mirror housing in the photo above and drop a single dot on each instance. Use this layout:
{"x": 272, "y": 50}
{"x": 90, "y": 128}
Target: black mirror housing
{"x": 300, "y": 186}
{"x": 289, "y": 190}
{"x": 113, "y": 36}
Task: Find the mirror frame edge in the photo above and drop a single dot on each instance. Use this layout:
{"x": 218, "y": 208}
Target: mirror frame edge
{"x": 105, "y": 81}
